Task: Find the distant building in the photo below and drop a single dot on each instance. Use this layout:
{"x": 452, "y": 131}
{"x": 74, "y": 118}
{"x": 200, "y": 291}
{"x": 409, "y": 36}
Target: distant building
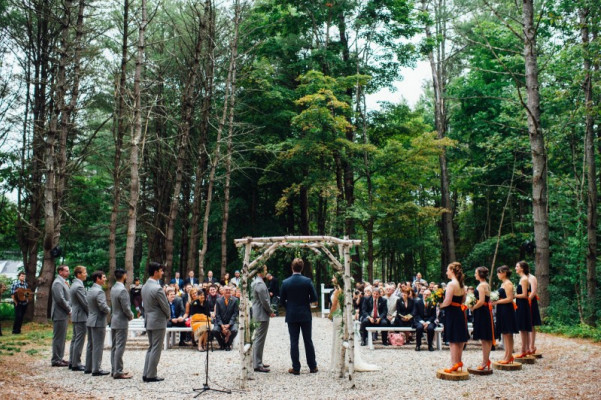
{"x": 11, "y": 268}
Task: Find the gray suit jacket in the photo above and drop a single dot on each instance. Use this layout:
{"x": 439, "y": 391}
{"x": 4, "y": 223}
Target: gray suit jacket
{"x": 156, "y": 305}
{"x": 79, "y": 303}
{"x": 261, "y": 307}
{"x": 97, "y": 306}
{"x": 61, "y": 300}
{"x": 121, "y": 307}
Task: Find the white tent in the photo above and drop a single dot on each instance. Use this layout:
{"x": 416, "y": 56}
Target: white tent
{"x": 10, "y": 268}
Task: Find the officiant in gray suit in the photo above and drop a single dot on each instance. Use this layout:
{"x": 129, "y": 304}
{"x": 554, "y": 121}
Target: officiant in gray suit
{"x": 79, "y": 317}
{"x": 156, "y": 314}
{"x": 61, "y": 309}
{"x": 120, "y": 318}
{"x": 261, "y": 310}
{"x": 96, "y": 324}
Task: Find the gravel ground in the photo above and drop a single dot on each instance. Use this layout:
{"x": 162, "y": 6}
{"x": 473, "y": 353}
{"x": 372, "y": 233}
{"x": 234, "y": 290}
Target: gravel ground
{"x": 405, "y": 373}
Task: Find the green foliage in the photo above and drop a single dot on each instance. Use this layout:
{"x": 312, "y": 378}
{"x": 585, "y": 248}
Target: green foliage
{"x": 581, "y": 331}
{"x": 7, "y": 311}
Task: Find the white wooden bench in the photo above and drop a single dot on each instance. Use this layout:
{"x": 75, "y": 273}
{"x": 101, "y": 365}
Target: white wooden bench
{"x": 372, "y": 329}
{"x": 137, "y": 326}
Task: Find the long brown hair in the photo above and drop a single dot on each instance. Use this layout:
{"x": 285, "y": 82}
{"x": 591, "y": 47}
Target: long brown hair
{"x": 458, "y": 271}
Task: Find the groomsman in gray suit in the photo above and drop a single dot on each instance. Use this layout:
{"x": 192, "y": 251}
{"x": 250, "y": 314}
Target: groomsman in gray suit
{"x": 119, "y": 322}
{"x": 96, "y": 324}
{"x": 261, "y": 313}
{"x": 156, "y": 314}
{"x": 61, "y": 309}
{"x": 79, "y": 317}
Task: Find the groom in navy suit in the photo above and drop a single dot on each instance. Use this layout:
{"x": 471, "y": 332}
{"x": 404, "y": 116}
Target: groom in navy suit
{"x": 296, "y": 295}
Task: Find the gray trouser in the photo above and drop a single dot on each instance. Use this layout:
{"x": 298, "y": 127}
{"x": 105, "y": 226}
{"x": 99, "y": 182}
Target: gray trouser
{"x": 59, "y": 335}
{"x": 153, "y": 355}
{"x": 259, "y": 343}
{"x": 94, "y": 349}
{"x": 118, "y": 337}
{"x": 79, "y": 337}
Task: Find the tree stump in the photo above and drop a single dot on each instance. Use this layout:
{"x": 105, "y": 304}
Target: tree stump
{"x": 514, "y": 366}
{"x": 526, "y": 360}
{"x": 475, "y": 371}
{"x": 537, "y": 355}
{"x": 452, "y": 376}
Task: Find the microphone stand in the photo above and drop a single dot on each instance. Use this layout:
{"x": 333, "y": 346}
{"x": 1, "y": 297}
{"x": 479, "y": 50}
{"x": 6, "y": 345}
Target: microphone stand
{"x": 205, "y": 386}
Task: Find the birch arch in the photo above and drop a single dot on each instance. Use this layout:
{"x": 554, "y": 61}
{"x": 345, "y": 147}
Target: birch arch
{"x": 266, "y": 246}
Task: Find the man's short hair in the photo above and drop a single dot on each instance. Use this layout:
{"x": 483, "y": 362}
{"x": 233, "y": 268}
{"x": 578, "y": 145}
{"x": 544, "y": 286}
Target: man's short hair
{"x": 137, "y": 280}
{"x": 79, "y": 270}
{"x": 97, "y": 275}
{"x": 169, "y": 290}
{"x": 20, "y": 273}
{"x": 61, "y": 267}
{"x": 297, "y": 265}
{"x": 154, "y": 267}
{"x": 119, "y": 274}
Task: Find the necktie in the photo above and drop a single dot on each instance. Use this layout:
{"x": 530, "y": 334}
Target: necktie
{"x": 375, "y": 308}
{"x": 172, "y": 310}
{"x": 226, "y": 302}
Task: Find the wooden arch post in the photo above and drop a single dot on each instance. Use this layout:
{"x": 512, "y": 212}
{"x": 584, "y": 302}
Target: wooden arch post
{"x": 318, "y": 244}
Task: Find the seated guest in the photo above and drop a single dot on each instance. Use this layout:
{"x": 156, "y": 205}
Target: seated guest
{"x": 177, "y": 280}
{"x": 226, "y": 313}
{"x": 236, "y": 279}
{"x": 373, "y": 313}
{"x": 391, "y": 301}
{"x": 177, "y": 313}
{"x": 405, "y": 311}
{"x": 212, "y": 299}
{"x": 191, "y": 279}
{"x": 225, "y": 280}
{"x": 200, "y": 319}
{"x": 424, "y": 318}
{"x": 210, "y": 278}
{"x": 135, "y": 294}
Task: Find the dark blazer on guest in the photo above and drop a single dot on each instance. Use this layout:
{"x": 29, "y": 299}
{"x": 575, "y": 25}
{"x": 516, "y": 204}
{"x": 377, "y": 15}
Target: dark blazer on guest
{"x": 368, "y": 308}
{"x": 193, "y": 281}
{"x": 423, "y": 312}
{"x": 210, "y": 280}
{"x": 226, "y": 315}
{"x": 402, "y": 310}
{"x": 274, "y": 286}
{"x": 296, "y": 295}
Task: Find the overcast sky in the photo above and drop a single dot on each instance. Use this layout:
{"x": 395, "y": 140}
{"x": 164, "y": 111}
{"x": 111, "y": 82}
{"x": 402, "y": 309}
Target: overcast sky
{"x": 410, "y": 88}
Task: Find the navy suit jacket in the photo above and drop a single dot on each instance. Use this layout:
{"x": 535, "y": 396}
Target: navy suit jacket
{"x": 296, "y": 295}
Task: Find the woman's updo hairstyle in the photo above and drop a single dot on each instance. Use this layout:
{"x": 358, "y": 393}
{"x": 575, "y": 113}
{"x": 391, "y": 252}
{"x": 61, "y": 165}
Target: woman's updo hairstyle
{"x": 482, "y": 273}
{"x": 457, "y": 271}
{"x": 504, "y": 269}
{"x": 525, "y": 267}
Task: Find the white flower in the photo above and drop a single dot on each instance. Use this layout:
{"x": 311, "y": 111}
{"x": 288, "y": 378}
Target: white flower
{"x": 470, "y": 300}
{"x": 494, "y": 296}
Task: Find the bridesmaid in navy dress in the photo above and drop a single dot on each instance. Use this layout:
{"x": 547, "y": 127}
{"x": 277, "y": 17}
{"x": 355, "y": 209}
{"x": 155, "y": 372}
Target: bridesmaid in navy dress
{"x": 536, "y": 320}
{"x": 523, "y": 313}
{"x": 483, "y": 321}
{"x": 455, "y": 318}
{"x": 506, "y": 322}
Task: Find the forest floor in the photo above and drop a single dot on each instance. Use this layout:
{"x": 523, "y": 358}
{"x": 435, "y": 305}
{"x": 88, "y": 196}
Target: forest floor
{"x": 569, "y": 369}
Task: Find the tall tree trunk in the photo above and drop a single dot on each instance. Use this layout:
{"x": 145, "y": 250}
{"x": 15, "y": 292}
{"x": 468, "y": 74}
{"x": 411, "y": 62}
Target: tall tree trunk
{"x": 187, "y": 112}
{"x": 118, "y": 134}
{"x": 591, "y": 231}
{"x": 437, "y": 65}
{"x": 134, "y": 187}
{"x": 201, "y": 167}
{"x": 229, "y": 87}
{"x": 539, "y": 157}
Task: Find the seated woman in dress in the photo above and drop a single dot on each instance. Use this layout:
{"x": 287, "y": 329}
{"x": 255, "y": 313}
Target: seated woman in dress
{"x": 483, "y": 320}
{"x": 455, "y": 318}
{"x": 506, "y": 323}
{"x": 523, "y": 313}
{"x": 200, "y": 320}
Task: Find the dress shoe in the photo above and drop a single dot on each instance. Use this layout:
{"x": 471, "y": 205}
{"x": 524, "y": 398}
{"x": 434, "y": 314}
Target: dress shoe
{"x": 86, "y": 372}
{"x": 265, "y": 365}
{"x": 261, "y": 369}
{"x": 430, "y": 347}
{"x": 100, "y": 373}
{"x": 70, "y": 366}
{"x": 61, "y": 363}
{"x": 155, "y": 379}
{"x": 418, "y": 348}
{"x": 123, "y": 376}
{"x": 79, "y": 368}
{"x": 293, "y": 371}
{"x": 363, "y": 342}
{"x": 314, "y": 370}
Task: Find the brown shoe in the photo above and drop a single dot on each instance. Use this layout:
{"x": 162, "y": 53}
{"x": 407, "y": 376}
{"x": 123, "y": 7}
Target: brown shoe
{"x": 314, "y": 370}
{"x": 265, "y": 365}
{"x": 261, "y": 369}
{"x": 125, "y": 375}
{"x": 293, "y": 371}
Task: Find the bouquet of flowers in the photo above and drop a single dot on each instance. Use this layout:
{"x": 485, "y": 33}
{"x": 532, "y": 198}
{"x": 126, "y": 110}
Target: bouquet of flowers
{"x": 494, "y": 296}
{"x": 436, "y": 297}
{"x": 470, "y": 300}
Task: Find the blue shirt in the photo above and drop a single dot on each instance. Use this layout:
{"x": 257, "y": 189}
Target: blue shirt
{"x": 18, "y": 285}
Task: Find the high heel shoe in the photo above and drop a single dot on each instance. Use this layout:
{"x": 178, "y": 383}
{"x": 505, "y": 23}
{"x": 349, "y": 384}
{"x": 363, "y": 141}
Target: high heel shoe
{"x": 507, "y": 362}
{"x": 522, "y": 355}
{"x": 483, "y": 367}
{"x": 454, "y": 368}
